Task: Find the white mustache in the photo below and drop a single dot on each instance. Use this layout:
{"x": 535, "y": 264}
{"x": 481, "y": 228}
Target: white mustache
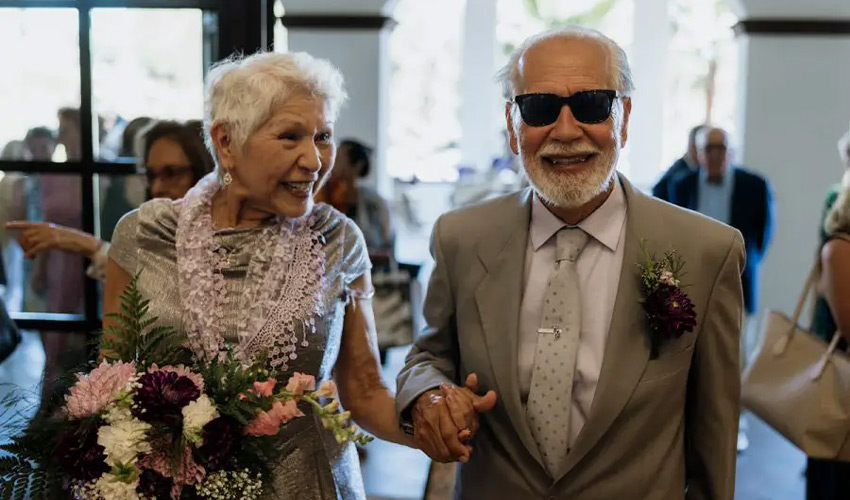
{"x": 556, "y": 150}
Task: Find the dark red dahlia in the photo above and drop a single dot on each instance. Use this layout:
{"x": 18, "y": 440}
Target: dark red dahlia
{"x": 221, "y": 440}
{"x": 152, "y": 485}
{"x": 79, "y": 454}
{"x": 162, "y": 396}
{"x": 670, "y": 312}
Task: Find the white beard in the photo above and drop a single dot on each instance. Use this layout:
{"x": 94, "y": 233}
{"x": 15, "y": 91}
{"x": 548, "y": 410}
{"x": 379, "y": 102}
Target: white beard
{"x": 571, "y": 188}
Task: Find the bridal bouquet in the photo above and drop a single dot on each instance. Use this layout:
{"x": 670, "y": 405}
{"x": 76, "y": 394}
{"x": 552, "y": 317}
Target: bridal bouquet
{"x": 142, "y": 425}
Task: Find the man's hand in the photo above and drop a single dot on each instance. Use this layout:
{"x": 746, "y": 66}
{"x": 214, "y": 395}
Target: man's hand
{"x": 465, "y": 405}
{"x": 444, "y": 419}
{"x": 434, "y": 431}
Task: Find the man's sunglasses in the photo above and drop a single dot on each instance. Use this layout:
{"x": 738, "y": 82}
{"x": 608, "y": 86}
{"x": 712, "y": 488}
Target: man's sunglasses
{"x": 590, "y": 106}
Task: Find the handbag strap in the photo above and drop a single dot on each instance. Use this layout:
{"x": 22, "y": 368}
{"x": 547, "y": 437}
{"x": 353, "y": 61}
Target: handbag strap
{"x": 830, "y": 351}
{"x": 836, "y": 337}
{"x": 782, "y": 342}
{"x": 814, "y": 275}
{"x": 808, "y": 289}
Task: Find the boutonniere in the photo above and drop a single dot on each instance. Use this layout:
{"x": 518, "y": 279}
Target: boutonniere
{"x": 668, "y": 308}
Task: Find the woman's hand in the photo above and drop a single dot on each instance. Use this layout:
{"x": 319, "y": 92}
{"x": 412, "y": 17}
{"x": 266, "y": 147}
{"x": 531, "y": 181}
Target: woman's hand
{"x": 465, "y": 404}
{"x": 37, "y": 237}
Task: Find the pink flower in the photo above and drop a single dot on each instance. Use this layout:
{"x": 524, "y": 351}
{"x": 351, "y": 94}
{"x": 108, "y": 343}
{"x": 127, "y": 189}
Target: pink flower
{"x": 183, "y": 471}
{"x": 262, "y": 425}
{"x": 327, "y": 389}
{"x": 101, "y": 386}
{"x": 268, "y": 423}
{"x": 299, "y": 383}
{"x": 286, "y": 411}
{"x": 181, "y": 371}
{"x": 266, "y": 388}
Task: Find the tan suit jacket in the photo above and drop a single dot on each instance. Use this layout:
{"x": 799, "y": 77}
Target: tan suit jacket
{"x": 658, "y": 429}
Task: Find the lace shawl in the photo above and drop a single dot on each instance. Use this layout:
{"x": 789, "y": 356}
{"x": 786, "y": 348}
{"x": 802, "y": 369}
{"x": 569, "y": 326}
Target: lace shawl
{"x": 283, "y": 285}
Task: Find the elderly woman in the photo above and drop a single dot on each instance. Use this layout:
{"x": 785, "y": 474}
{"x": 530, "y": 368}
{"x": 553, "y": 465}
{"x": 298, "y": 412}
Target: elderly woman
{"x": 827, "y": 479}
{"x": 247, "y": 260}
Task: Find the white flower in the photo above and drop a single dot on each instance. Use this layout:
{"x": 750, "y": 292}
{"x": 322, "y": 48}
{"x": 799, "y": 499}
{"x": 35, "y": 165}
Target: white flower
{"x": 667, "y": 278}
{"x": 124, "y": 441}
{"x": 196, "y": 415}
{"x": 111, "y": 488}
{"x": 115, "y": 414}
{"x": 227, "y": 485}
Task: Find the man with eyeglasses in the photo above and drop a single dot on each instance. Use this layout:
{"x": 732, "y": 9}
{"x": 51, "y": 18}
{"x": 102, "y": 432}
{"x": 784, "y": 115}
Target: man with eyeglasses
{"x": 536, "y": 299}
{"x": 732, "y": 195}
{"x": 737, "y": 197}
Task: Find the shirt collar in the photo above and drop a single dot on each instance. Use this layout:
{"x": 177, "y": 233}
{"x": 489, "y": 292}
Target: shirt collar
{"x": 727, "y": 176}
{"x": 605, "y": 224}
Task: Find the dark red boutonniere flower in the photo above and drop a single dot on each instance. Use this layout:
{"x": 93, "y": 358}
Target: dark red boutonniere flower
{"x": 668, "y": 308}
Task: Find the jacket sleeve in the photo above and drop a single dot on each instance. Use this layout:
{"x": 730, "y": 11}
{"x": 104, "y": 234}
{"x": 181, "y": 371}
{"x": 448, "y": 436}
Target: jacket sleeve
{"x": 433, "y": 359}
{"x": 714, "y": 387}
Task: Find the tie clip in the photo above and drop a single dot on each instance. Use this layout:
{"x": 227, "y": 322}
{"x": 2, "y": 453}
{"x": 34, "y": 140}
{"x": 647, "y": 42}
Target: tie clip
{"x": 551, "y": 331}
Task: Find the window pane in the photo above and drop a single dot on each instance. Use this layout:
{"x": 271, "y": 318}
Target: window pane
{"x": 53, "y": 280}
{"x": 138, "y": 74}
{"x": 702, "y": 75}
{"x": 43, "y": 75}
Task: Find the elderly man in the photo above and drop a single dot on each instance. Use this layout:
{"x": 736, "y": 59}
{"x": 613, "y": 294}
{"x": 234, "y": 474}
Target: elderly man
{"x": 734, "y": 196}
{"x": 737, "y": 197}
{"x": 538, "y": 295}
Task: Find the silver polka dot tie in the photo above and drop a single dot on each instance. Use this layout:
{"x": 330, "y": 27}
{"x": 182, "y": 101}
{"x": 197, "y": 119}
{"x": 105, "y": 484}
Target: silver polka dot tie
{"x": 550, "y": 395}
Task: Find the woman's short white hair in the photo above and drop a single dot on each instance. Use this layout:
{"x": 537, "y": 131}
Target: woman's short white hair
{"x": 243, "y": 91}
{"x": 511, "y": 78}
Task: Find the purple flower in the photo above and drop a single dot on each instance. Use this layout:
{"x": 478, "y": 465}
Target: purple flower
{"x": 221, "y": 439}
{"x": 670, "y": 312}
{"x": 80, "y": 455}
{"x": 162, "y": 396}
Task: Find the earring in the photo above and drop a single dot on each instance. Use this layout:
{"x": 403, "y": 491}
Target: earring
{"x": 226, "y": 179}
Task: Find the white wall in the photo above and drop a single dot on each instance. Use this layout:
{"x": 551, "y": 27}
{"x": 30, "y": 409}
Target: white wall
{"x": 796, "y": 99}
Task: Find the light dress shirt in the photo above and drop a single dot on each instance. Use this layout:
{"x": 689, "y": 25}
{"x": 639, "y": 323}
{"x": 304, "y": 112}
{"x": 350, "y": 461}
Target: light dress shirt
{"x": 599, "y": 268}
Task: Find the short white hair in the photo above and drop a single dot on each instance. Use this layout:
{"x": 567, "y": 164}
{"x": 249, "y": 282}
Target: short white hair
{"x": 844, "y": 147}
{"x": 243, "y": 91}
{"x": 511, "y": 78}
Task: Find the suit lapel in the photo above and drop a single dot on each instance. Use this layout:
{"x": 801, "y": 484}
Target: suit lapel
{"x": 499, "y": 298}
{"x": 627, "y": 346}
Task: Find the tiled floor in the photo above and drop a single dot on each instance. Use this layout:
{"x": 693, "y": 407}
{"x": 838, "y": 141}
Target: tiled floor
{"x": 771, "y": 469}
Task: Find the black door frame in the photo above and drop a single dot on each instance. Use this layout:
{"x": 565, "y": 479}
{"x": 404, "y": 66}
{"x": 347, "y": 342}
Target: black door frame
{"x": 241, "y": 26}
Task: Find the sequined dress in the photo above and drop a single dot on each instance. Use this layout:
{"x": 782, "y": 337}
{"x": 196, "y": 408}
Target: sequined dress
{"x": 312, "y": 466}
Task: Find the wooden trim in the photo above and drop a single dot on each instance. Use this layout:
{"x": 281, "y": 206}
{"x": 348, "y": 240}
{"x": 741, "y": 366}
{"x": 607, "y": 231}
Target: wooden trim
{"x": 337, "y": 22}
{"x": 794, "y": 27}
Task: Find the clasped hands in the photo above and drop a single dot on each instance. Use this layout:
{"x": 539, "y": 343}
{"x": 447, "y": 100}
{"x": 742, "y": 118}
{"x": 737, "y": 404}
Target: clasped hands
{"x": 446, "y": 419}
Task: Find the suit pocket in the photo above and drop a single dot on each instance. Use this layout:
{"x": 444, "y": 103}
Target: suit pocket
{"x": 667, "y": 365}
